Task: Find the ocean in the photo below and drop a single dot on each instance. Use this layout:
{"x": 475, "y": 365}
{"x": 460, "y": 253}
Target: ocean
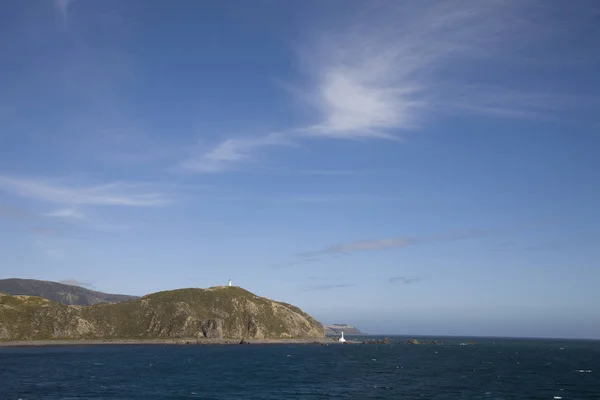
{"x": 488, "y": 369}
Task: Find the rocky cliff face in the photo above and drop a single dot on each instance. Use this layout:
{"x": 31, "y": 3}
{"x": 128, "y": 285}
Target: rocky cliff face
{"x": 59, "y": 292}
{"x": 220, "y": 312}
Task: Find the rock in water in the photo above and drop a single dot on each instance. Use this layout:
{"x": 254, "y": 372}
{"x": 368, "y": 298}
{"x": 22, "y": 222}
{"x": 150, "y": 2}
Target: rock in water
{"x": 218, "y": 312}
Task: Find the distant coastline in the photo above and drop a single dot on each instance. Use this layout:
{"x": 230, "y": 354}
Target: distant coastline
{"x": 337, "y": 329}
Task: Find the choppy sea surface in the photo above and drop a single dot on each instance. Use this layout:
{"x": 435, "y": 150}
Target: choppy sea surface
{"x": 489, "y": 369}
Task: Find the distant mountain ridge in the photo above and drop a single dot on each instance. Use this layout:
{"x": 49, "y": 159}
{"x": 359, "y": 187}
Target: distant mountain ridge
{"x": 217, "y": 312}
{"x": 337, "y": 329}
{"x": 59, "y": 292}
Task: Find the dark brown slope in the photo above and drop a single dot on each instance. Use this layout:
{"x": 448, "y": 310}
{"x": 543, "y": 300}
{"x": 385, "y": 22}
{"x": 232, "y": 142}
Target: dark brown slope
{"x": 59, "y": 292}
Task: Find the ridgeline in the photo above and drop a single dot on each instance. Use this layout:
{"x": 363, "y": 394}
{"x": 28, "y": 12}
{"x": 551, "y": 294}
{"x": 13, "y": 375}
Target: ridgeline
{"x": 59, "y": 292}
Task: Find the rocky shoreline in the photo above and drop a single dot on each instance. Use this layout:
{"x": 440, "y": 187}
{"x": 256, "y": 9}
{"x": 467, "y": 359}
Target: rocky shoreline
{"x": 207, "y": 342}
{"x": 178, "y": 341}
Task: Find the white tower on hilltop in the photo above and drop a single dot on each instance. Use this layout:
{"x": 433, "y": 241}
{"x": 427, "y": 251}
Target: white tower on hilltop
{"x": 342, "y": 338}
{"x": 229, "y": 283}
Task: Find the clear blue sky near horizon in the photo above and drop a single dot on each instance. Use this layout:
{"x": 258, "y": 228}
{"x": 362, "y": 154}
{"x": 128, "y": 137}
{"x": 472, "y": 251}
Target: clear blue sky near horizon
{"x": 406, "y": 167}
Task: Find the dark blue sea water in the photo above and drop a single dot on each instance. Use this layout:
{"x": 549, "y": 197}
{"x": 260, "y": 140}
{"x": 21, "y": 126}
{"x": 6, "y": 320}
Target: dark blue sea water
{"x": 490, "y": 369}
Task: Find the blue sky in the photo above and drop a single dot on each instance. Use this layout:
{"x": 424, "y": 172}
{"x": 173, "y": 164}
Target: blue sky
{"x": 406, "y": 167}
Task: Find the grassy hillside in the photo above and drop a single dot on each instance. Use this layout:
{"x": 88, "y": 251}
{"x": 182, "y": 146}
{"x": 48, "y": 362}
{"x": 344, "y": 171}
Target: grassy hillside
{"x": 219, "y": 312}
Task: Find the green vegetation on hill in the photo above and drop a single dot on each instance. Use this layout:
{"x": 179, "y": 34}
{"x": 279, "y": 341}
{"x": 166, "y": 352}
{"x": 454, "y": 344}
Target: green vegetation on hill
{"x": 218, "y": 312}
{"x": 59, "y": 292}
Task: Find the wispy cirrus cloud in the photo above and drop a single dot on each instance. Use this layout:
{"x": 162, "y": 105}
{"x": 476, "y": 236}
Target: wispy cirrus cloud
{"x": 404, "y": 279}
{"x": 304, "y": 261}
{"x": 396, "y": 65}
{"x": 393, "y": 66}
{"x": 62, "y": 6}
{"x": 78, "y": 282}
{"x": 362, "y": 245}
{"x": 548, "y": 245}
{"x": 323, "y": 199}
{"x": 66, "y": 213}
{"x": 110, "y": 194}
{"x": 231, "y": 151}
{"x": 81, "y": 219}
{"x": 322, "y": 287}
{"x": 43, "y": 231}
{"x": 33, "y": 223}
{"x": 406, "y": 241}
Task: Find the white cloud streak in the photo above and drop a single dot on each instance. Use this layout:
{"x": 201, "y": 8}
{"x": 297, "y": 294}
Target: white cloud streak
{"x": 111, "y": 194}
{"x": 77, "y": 282}
{"x": 402, "y": 241}
{"x": 66, "y": 213}
{"x": 373, "y": 79}
{"x": 63, "y": 7}
{"x": 230, "y": 152}
{"x": 395, "y": 65}
{"x": 77, "y": 217}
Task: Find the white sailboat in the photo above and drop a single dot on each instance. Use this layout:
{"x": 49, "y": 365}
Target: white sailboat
{"x": 342, "y": 338}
